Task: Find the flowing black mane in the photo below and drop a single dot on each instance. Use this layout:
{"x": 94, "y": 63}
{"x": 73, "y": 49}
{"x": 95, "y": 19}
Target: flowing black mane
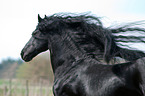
{"x": 91, "y": 35}
{"x": 83, "y": 22}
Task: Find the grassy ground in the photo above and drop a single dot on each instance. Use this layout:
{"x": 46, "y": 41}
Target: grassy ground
{"x": 24, "y": 88}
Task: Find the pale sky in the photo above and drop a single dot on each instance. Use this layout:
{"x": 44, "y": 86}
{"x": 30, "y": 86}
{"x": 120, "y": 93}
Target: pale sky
{"x": 19, "y": 18}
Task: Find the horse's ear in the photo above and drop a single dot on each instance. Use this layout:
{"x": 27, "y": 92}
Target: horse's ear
{"x": 45, "y": 16}
{"x": 39, "y": 18}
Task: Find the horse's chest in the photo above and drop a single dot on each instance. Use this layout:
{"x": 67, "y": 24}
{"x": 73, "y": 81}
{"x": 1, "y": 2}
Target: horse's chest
{"x": 66, "y": 86}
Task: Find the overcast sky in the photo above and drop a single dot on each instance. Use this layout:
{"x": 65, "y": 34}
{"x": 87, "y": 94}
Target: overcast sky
{"x": 19, "y": 18}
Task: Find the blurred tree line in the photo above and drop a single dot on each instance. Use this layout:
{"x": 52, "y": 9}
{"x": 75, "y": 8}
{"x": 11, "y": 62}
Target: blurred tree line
{"x": 7, "y": 61}
{"x": 8, "y": 68}
{"x": 38, "y": 68}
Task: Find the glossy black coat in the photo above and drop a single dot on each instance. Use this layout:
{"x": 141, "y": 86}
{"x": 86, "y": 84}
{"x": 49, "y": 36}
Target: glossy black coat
{"x": 78, "y": 73}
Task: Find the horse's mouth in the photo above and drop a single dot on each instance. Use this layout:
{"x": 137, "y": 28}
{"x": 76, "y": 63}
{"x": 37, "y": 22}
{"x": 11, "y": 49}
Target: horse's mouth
{"x": 26, "y": 57}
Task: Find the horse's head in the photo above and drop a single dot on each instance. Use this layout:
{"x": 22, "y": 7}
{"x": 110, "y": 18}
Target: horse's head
{"x": 38, "y": 42}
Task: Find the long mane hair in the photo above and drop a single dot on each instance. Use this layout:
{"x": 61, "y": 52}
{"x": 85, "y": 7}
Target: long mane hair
{"x": 95, "y": 39}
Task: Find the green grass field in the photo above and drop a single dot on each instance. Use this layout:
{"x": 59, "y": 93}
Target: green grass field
{"x": 24, "y": 88}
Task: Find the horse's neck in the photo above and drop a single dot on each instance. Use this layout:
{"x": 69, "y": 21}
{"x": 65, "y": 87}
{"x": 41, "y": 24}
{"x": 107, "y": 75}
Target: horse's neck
{"x": 91, "y": 45}
{"x": 64, "y": 51}
{"x": 93, "y": 49}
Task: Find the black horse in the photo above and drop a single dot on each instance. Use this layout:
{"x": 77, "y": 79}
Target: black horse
{"x": 77, "y": 72}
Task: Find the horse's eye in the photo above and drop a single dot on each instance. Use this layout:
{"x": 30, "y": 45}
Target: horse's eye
{"x": 40, "y": 30}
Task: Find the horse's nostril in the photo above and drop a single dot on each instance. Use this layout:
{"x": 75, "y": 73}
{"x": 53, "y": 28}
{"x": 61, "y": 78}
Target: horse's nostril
{"x": 22, "y": 55}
